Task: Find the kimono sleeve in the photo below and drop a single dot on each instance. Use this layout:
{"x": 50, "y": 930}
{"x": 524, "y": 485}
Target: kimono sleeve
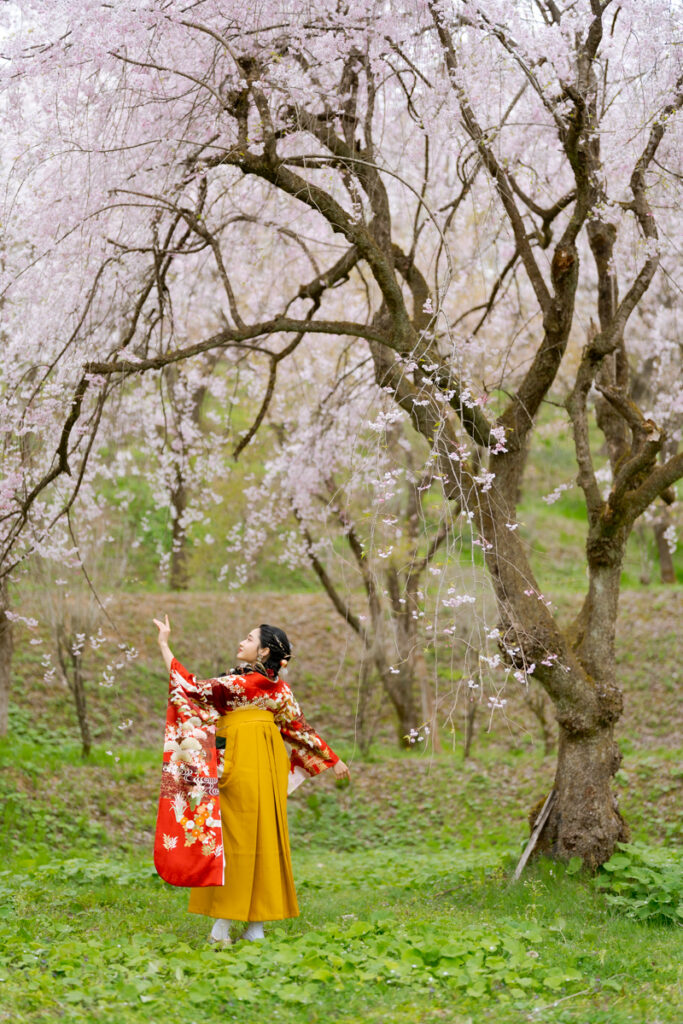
{"x": 188, "y": 845}
{"x": 210, "y": 696}
{"x": 310, "y": 752}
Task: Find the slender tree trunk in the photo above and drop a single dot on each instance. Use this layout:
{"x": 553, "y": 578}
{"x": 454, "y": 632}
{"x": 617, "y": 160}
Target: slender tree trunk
{"x": 429, "y": 710}
{"x": 666, "y": 562}
{"x": 404, "y": 644}
{"x": 179, "y": 575}
{"x": 179, "y": 552}
{"x": 641, "y": 392}
{"x": 6, "y": 651}
{"x": 470, "y": 716}
{"x": 78, "y": 690}
{"x": 71, "y": 664}
{"x": 645, "y": 574}
{"x": 365, "y": 718}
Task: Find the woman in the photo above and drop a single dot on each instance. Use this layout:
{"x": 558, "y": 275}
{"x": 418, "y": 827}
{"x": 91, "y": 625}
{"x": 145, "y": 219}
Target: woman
{"x": 253, "y": 704}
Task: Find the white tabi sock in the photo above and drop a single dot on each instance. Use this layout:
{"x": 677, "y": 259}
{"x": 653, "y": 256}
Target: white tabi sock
{"x": 221, "y": 930}
{"x": 254, "y": 931}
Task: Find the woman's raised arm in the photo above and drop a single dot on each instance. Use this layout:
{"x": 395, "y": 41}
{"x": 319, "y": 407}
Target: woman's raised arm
{"x": 164, "y": 634}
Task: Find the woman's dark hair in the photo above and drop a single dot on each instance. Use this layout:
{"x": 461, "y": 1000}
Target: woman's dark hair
{"x": 279, "y": 646}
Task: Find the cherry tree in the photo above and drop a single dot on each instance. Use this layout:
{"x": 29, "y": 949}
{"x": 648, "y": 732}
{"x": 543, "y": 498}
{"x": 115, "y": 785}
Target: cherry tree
{"x": 454, "y": 188}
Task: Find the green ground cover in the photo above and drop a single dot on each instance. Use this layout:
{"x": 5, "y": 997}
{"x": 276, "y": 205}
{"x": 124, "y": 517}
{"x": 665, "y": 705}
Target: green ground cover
{"x": 384, "y": 936}
{"x": 408, "y": 911}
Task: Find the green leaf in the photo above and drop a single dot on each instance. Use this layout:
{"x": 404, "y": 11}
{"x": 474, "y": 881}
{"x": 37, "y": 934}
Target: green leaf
{"x": 359, "y": 928}
{"x": 296, "y": 993}
{"x": 202, "y": 993}
{"x": 245, "y": 992}
{"x": 477, "y": 990}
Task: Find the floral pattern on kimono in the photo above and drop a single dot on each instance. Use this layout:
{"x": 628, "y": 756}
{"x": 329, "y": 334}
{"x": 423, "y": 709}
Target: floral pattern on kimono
{"x": 310, "y": 752}
{"x": 188, "y": 846}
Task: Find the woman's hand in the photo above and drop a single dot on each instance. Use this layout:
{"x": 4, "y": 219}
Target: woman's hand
{"x": 164, "y": 630}
{"x": 164, "y": 633}
{"x": 341, "y": 770}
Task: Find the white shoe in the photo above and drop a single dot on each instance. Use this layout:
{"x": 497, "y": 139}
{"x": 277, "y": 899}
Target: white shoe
{"x": 220, "y": 933}
{"x": 253, "y": 932}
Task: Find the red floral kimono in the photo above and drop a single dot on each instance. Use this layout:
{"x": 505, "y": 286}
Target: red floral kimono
{"x": 188, "y": 848}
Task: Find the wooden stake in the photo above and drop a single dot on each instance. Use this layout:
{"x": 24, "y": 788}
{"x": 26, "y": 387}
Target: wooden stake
{"x": 533, "y": 838}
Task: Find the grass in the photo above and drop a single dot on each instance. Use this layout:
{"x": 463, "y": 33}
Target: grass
{"x": 408, "y": 911}
{"x": 385, "y": 934}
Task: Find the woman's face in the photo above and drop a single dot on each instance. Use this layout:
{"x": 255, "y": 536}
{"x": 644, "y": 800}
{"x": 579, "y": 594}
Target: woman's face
{"x": 248, "y": 649}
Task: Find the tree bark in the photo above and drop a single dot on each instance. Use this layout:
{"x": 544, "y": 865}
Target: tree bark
{"x": 178, "y": 575}
{"x": 401, "y": 691}
{"x": 666, "y": 562}
{"x": 581, "y": 680}
{"x": 429, "y": 709}
{"x": 406, "y": 645}
{"x": 78, "y": 690}
{"x": 6, "y": 651}
{"x": 470, "y": 716}
{"x": 71, "y": 664}
{"x": 585, "y": 819}
{"x": 537, "y": 701}
{"x": 365, "y": 717}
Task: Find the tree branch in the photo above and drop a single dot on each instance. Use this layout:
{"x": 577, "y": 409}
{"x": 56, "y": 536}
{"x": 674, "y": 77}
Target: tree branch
{"x": 576, "y": 407}
{"x": 645, "y": 217}
{"x": 228, "y": 337}
{"x": 498, "y": 175}
{"x": 270, "y": 387}
{"x": 437, "y": 540}
{"x": 656, "y": 483}
{"x": 347, "y": 615}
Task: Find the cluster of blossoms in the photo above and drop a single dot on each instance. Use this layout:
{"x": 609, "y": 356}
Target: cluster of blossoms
{"x": 418, "y": 735}
{"x": 555, "y": 495}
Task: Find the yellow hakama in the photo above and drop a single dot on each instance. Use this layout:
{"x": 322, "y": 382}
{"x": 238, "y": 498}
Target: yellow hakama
{"x": 259, "y": 885}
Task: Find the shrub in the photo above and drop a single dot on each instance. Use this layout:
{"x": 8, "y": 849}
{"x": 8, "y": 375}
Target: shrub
{"x": 645, "y": 883}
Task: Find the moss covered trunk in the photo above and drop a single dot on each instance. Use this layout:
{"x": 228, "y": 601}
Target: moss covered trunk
{"x": 585, "y": 820}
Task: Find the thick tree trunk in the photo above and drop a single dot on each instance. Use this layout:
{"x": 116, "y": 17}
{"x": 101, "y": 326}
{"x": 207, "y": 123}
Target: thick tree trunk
{"x": 585, "y": 820}
{"x": 6, "y": 651}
